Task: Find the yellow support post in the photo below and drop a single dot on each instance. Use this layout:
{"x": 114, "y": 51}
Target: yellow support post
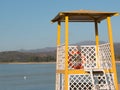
{"x": 66, "y": 53}
{"x": 97, "y": 41}
{"x": 58, "y": 33}
{"x": 58, "y": 43}
{"x": 112, "y": 52}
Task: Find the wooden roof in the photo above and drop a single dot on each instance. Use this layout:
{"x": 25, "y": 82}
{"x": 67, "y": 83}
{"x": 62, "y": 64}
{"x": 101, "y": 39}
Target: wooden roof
{"x": 83, "y": 16}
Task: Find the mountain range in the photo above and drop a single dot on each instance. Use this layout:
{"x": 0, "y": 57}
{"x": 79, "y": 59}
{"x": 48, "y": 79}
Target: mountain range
{"x": 52, "y": 49}
{"x": 44, "y": 54}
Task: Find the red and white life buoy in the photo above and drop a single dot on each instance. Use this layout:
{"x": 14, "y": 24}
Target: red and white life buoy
{"x": 78, "y": 64}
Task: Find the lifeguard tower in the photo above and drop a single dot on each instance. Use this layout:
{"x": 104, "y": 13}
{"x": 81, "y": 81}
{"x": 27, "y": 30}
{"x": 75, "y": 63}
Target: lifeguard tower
{"x": 86, "y": 67}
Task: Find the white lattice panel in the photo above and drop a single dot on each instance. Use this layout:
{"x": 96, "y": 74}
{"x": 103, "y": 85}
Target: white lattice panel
{"x": 60, "y": 57}
{"x": 80, "y": 82}
{"x": 82, "y": 57}
{"x": 110, "y": 80}
{"x": 105, "y": 56}
{"x": 59, "y": 81}
{"x": 89, "y": 53}
{"x": 85, "y": 57}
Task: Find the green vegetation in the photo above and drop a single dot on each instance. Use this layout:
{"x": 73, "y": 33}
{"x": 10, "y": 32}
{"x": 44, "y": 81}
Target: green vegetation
{"x": 14, "y": 56}
{"x": 117, "y": 58}
{"x": 42, "y": 59}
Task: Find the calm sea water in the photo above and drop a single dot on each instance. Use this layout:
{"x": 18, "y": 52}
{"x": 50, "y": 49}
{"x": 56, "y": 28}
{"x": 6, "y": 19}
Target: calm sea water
{"x": 29, "y": 76}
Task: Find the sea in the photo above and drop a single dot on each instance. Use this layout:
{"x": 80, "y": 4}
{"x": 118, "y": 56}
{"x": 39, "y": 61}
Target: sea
{"x": 30, "y": 76}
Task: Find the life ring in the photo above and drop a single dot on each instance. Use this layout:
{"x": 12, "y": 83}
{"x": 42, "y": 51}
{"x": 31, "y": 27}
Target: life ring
{"x": 78, "y": 64}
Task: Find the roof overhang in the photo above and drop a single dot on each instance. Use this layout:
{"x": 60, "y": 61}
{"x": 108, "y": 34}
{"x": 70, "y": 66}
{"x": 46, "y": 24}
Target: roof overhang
{"x": 83, "y": 16}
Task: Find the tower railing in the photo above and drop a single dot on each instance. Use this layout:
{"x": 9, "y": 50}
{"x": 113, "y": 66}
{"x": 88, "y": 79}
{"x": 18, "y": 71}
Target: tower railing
{"x": 60, "y": 57}
{"x": 105, "y": 56}
{"x": 84, "y": 57}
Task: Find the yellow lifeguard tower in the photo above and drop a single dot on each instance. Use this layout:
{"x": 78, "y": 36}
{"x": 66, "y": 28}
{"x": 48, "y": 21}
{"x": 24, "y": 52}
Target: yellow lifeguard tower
{"x": 86, "y": 67}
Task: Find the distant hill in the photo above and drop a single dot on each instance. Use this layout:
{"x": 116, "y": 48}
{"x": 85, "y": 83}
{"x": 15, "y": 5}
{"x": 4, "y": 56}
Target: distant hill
{"x": 117, "y": 49}
{"x": 43, "y": 55}
{"x": 53, "y": 49}
{"x": 89, "y": 43}
{"x": 47, "y": 49}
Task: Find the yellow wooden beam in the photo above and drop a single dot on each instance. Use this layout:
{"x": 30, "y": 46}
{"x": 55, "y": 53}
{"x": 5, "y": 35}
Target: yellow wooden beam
{"x": 80, "y": 71}
{"x": 117, "y": 14}
{"x": 60, "y": 71}
{"x": 112, "y": 52}
{"x": 108, "y": 70}
{"x": 66, "y": 52}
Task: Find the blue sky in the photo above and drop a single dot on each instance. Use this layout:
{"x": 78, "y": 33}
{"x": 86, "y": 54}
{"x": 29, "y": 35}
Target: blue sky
{"x": 25, "y": 24}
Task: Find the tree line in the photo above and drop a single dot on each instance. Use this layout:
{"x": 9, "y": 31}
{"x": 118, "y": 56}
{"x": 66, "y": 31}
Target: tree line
{"x": 14, "y": 56}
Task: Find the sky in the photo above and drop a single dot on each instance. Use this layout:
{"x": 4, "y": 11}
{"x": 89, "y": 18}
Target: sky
{"x": 26, "y": 24}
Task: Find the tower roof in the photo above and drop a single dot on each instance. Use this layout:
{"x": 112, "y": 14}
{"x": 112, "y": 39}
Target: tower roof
{"x": 83, "y": 16}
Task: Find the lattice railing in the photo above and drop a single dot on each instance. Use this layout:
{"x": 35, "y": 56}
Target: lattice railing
{"x": 85, "y": 57}
{"x": 80, "y": 82}
{"x": 59, "y": 81}
{"x": 60, "y": 57}
{"x": 89, "y": 53}
{"x": 84, "y": 82}
{"x": 75, "y": 57}
{"x": 105, "y": 56}
{"x": 110, "y": 81}
{"x": 82, "y": 57}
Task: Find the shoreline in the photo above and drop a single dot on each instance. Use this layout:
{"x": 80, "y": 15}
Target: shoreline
{"x": 28, "y": 63}
{"x": 117, "y": 62}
